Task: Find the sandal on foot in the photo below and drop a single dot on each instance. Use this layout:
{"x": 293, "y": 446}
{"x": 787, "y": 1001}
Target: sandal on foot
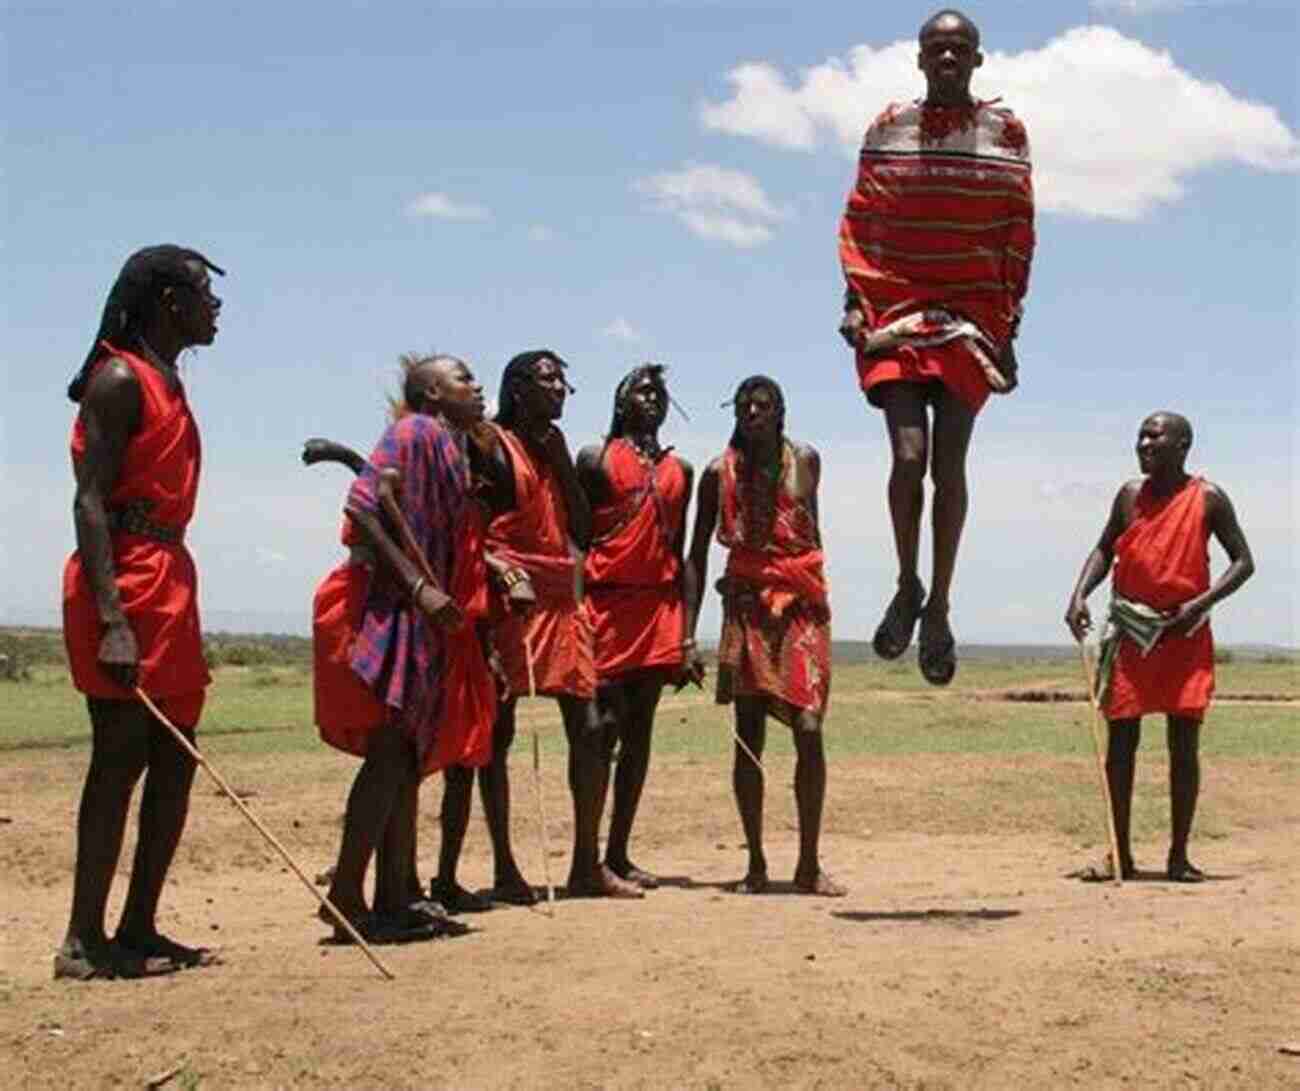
{"x": 514, "y": 893}
{"x": 159, "y": 946}
{"x": 634, "y": 874}
{"x": 1184, "y": 871}
{"x": 936, "y": 655}
{"x": 753, "y": 883}
{"x": 1101, "y": 872}
{"x": 822, "y": 885}
{"x": 604, "y": 884}
{"x": 456, "y": 899}
{"x": 74, "y": 962}
{"x": 894, "y": 633}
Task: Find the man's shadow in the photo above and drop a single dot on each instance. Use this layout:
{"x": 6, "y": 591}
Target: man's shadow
{"x": 928, "y": 916}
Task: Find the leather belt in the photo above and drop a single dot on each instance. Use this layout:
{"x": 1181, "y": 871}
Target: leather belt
{"x": 132, "y": 518}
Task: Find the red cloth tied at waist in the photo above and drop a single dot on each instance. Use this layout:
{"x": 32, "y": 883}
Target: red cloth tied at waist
{"x": 347, "y": 712}
{"x": 779, "y": 581}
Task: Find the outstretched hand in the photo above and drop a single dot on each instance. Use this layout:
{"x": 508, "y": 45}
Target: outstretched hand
{"x": 119, "y": 655}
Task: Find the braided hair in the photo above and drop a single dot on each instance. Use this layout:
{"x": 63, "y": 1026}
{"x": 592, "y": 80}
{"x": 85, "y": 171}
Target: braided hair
{"x": 522, "y": 368}
{"x": 133, "y": 300}
{"x": 651, "y": 371}
{"x": 743, "y": 391}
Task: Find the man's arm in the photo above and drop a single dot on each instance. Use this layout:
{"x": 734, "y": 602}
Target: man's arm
{"x": 591, "y": 474}
{"x": 433, "y": 601}
{"x": 1222, "y": 521}
{"x": 808, "y": 476}
{"x": 692, "y": 664}
{"x": 110, "y": 412}
{"x": 706, "y": 521}
{"x": 556, "y": 452}
{"x": 1099, "y": 560}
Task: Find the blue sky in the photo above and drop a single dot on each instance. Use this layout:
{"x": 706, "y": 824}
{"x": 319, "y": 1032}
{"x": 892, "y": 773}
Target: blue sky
{"x": 649, "y": 181}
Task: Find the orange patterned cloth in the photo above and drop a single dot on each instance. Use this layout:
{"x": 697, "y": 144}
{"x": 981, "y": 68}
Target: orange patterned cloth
{"x": 776, "y": 632}
{"x": 156, "y": 580}
{"x": 634, "y": 593}
{"x": 557, "y": 632}
{"x": 1163, "y": 560}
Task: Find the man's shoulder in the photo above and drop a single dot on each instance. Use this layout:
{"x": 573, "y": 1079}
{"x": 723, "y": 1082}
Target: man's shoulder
{"x": 805, "y": 451}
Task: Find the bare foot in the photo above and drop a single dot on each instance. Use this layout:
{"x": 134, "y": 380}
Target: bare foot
{"x": 156, "y": 945}
{"x": 821, "y": 885}
{"x": 753, "y": 883}
{"x": 513, "y": 890}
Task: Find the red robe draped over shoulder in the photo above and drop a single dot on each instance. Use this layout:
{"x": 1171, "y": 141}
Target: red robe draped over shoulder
{"x": 776, "y": 634}
{"x": 633, "y": 585}
{"x": 447, "y": 696}
{"x": 156, "y": 580}
{"x": 535, "y": 537}
{"x": 1163, "y": 559}
{"x": 941, "y": 217}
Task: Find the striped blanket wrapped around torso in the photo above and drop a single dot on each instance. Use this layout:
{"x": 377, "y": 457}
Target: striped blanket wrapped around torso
{"x": 941, "y": 220}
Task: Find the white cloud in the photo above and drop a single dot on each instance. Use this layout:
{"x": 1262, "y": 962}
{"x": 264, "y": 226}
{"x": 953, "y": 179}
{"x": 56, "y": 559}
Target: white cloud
{"x": 440, "y": 206}
{"x": 1138, "y": 7}
{"x": 1115, "y": 126}
{"x": 540, "y": 233}
{"x": 622, "y": 330}
{"x": 715, "y": 203}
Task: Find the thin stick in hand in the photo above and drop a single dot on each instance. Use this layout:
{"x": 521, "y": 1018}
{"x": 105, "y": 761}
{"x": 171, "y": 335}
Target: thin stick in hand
{"x": 537, "y": 779}
{"x": 1099, "y": 750}
{"x": 190, "y": 749}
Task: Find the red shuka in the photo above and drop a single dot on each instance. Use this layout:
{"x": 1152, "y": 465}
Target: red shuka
{"x": 156, "y": 581}
{"x": 347, "y": 712}
{"x": 941, "y": 215}
{"x": 776, "y": 633}
{"x": 535, "y": 537}
{"x": 1163, "y": 560}
{"x": 633, "y": 571}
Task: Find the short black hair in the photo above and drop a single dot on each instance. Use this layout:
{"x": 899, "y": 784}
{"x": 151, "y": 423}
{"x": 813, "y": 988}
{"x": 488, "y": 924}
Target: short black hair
{"x": 932, "y": 24}
{"x": 133, "y": 299}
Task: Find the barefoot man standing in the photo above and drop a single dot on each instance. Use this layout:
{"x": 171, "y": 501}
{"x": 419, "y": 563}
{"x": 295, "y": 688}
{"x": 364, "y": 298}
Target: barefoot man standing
{"x": 638, "y": 492}
{"x": 935, "y": 244}
{"x": 1157, "y": 653}
{"x": 130, "y": 601}
{"x": 547, "y": 651}
{"x": 774, "y": 655}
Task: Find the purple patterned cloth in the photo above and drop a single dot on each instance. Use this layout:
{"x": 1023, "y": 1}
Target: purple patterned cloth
{"x": 397, "y": 654}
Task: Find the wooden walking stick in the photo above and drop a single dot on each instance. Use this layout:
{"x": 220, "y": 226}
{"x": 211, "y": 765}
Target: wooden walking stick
{"x": 1100, "y": 751}
{"x": 537, "y": 784}
{"x": 190, "y": 749}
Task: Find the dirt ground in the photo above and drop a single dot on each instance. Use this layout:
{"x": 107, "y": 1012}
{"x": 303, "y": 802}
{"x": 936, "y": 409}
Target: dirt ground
{"x": 961, "y": 956}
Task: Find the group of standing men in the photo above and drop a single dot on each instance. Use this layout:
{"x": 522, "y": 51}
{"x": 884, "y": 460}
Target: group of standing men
{"x": 486, "y": 564}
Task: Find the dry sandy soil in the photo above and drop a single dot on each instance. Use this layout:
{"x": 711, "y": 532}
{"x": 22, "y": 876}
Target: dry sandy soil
{"x": 961, "y": 956}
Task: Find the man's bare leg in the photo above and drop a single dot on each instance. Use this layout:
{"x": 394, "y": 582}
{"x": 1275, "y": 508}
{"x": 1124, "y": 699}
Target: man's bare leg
{"x": 119, "y": 754}
{"x": 164, "y": 807}
{"x": 508, "y": 882}
{"x": 397, "y": 879}
{"x": 588, "y": 783}
{"x": 457, "y": 794}
{"x": 1121, "y": 766}
{"x": 810, "y": 795}
{"x": 388, "y": 769}
{"x": 635, "y": 707}
{"x": 1184, "y": 736}
{"x": 953, "y": 423}
{"x": 747, "y": 783}
{"x": 908, "y": 426}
